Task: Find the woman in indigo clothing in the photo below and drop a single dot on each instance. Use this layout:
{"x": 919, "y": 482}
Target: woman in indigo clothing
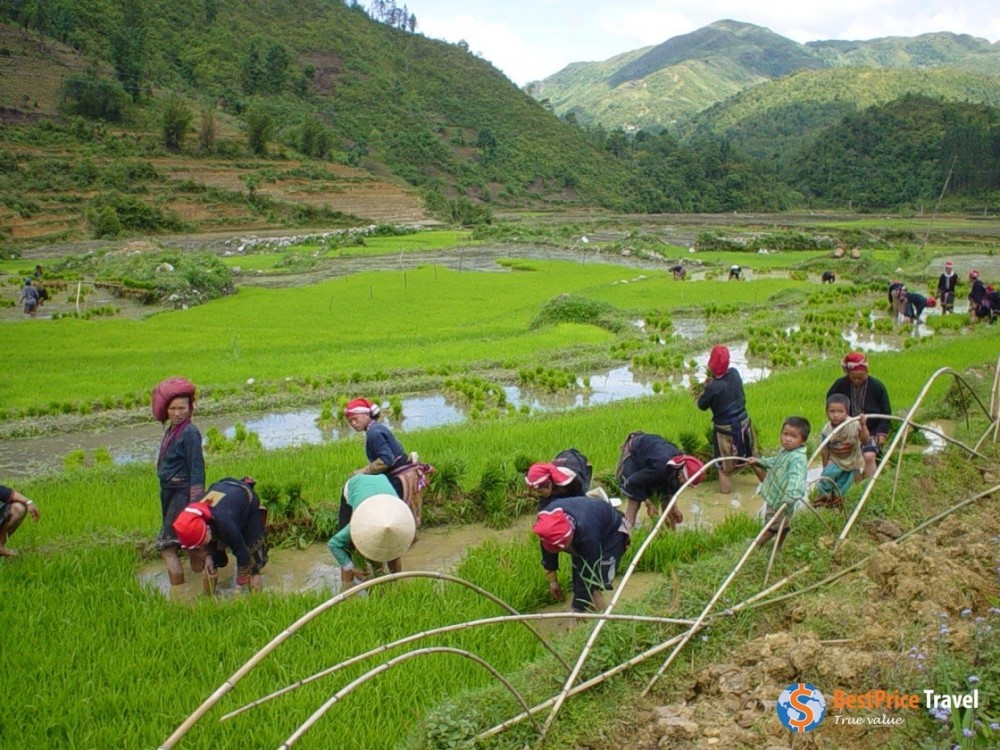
{"x": 386, "y": 455}
{"x": 180, "y": 465}
{"x": 732, "y": 431}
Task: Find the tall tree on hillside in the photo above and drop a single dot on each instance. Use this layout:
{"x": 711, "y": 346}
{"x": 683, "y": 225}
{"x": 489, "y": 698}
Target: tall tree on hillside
{"x": 128, "y": 43}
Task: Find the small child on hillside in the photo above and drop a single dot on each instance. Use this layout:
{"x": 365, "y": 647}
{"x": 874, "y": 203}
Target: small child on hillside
{"x": 783, "y": 476}
{"x": 842, "y": 459}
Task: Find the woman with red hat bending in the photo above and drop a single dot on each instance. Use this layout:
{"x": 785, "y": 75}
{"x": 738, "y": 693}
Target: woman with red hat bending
{"x": 651, "y": 466}
{"x": 180, "y": 464}
{"x": 594, "y": 534}
{"x": 732, "y": 430}
{"x": 867, "y": 396}
{"x": 386, "y": 455}
{"x": 229, "y": 515}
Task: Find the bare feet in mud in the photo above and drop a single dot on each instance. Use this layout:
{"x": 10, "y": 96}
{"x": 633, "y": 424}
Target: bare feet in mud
{"x": 4, "y": 552}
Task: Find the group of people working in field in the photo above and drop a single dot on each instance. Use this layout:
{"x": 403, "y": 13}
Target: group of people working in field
{"x": 574, "y": 518}
{"x": 984, "y": 299}
{"x": 228, "y": 517}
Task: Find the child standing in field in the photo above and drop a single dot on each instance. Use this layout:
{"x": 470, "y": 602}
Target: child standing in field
{"x": 842, "y": 459}
{"x": 784, "y": 477}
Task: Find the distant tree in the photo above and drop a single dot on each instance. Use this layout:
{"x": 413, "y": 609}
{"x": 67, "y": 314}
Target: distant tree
{"x": 175, "y": 121}
{"x": 94, "y": 97}
{"x": 314, "y": 139}
{"x": 275, "y": 68}
{"x": 251, "y": 69}
{"x": 211, "y": 11}
{"x": 259, "y": 127}
{"x": 206, "y": 130}
{"x": 128, "y": 46}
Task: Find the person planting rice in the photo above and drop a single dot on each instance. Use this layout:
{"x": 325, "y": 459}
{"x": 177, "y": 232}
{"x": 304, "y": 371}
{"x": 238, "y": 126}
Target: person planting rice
{"x": 679, "y": 272}
{"x": 828, "y": 277}
{"x": 842, "y": 459}
{"x": 652, "y": 466}
{"x": 735, "y": 272}
{"x": 383, "y": 528}
{"x": 228, "y": 516}
{"x": 732, "y": 431}
{"x": 386, "y": 455}
{"x": 595, "y": 536}
{"x": 180, "y": 464}
{"x": 866, "y": 396}
{"x": 13, "y": 508}
{"x": 915, "y": 305}
{"x": 946, "y": 287}
{"x": 568, "y": 475}
{"x": 783, "y": 478}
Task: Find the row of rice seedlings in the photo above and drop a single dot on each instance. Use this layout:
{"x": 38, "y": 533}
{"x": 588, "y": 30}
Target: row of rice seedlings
{"x": 551, "y": 379}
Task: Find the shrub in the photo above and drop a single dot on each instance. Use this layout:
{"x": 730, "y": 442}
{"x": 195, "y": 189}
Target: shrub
{"x": 93, "y": 97}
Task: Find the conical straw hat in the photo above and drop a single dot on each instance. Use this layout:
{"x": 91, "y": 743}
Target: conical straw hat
{"x": 382, "y": 528}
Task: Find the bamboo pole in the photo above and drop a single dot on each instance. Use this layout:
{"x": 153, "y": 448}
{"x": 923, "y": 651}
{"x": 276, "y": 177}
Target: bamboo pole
{"x": 660, "y": 521}
{"x": 318, "y": 714}
{"x": 774, "y": 548}
{"x": 638, "y": 659}
{"x": 288, "y": 632}
{"x": 448, "y": 629}
{"x": 780, "y": 514}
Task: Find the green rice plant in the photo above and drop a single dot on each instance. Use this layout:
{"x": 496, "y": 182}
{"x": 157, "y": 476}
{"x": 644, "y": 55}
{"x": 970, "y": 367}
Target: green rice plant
{"x": 75, "y": 459}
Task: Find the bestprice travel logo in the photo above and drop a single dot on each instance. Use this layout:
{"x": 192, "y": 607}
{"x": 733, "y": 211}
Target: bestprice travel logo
{"x": 801, "y": 707}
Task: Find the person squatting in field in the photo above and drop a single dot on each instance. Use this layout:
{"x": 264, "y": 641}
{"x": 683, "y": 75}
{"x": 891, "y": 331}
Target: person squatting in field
{"x": 732, "y": 430}
{"x": 228, "y": 516}
{"x": 783, "y": 479}
{"x": 386, "y": 455}
{"x": 651, "y": 466}
{"x": 594, "y": 534}
{"x": 13, "y": 508}
{"x": 842, "y": 459}
{"x": 180, "y": 465}
{"x": 867, "y": 395}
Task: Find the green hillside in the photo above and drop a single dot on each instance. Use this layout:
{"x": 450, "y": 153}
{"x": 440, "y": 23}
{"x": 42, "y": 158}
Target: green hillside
{"x": 657, "y": 87}
{"x": 301, "y": 82}
{"x": 774, "y": 119}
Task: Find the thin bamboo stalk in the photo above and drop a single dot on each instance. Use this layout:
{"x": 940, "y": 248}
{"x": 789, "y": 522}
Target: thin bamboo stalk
{"x": 660, "y": 521}
{"x": 774, "y": 549}
{"x": 288, "y": 632}
{"x": 448, "y": 629}
{"x": 318, "y": 714}
{"x": 711, "y": 603}
{"x": 895, "y": 442}
{"x": 635, "y": 660}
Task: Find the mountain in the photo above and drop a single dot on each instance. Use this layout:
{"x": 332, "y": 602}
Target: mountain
{"x": 277, "y": 107}
{"x": 659, "y": 87}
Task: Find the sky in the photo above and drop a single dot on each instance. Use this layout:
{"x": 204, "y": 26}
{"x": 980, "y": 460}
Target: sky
{"x": 532, "y": 39}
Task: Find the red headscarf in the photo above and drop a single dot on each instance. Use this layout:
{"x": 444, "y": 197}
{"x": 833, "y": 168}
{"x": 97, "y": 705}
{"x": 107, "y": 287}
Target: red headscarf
{"x": 540, "y": 475}
{"x": 362, "y": 406}
{"x": 718, "y": 360}
{"x": 191, "y": 525}
{"x": 854, "y": 361}
{"x": 690, "y": 467}
{"x": 973, "y": 274}
{"x": 554, "y": 529}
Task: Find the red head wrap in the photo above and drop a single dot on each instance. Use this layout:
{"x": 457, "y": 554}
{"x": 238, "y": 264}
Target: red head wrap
{"x": 931, "y": 302}
{"x": 718, "y": 360}
{"x": 191, "y": 525}
{"x": 948, "y": 264}
{"x": 540, "y": 475}
{"x": 854, "y": 361}
{"x": 555, "y": 529}
{"x": 690, "y": 467}
{"x": 361, "y": 406}
{"x": 973, "y": 274}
